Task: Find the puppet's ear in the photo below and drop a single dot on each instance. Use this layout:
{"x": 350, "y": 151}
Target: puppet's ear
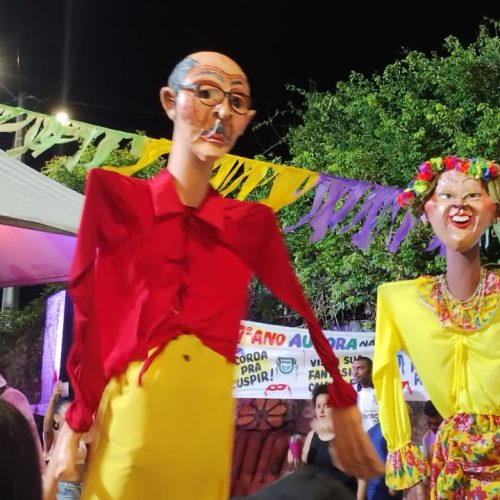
{"x": 167, "y": 98}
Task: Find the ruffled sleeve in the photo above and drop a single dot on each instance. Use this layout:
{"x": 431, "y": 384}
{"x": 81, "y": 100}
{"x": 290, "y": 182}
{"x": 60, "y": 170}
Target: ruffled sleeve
{"x": 406, "y": 464}
{"x": 405, "y": 467}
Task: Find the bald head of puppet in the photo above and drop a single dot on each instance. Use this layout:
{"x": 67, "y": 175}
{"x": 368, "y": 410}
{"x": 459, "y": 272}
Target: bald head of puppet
{"x": 208, "y": 100}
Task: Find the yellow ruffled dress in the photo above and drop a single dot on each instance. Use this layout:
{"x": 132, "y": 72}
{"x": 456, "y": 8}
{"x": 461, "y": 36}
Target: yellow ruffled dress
{"x": 460, "y": 369}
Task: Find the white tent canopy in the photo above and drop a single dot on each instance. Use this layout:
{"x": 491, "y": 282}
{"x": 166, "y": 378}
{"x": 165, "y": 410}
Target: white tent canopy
{"x": 38, "y": 222}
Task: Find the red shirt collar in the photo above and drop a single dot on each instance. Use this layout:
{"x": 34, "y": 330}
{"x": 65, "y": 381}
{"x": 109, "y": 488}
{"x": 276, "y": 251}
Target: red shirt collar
{"x": 166, "y": 201}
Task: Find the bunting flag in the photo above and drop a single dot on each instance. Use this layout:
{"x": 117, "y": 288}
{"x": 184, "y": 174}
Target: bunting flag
{"x": 41, "y": 132}
{"x": 336, "y": 200}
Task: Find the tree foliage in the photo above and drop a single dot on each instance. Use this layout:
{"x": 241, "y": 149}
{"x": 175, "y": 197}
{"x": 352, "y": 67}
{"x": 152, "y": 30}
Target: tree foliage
{"x": 379, "y": 129}
{"x": 75, "y": 179}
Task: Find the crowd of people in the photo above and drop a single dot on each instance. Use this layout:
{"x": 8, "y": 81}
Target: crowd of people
{"x": 317, "y": 475}
{"x": 159, "y": 286}
{"x": 24, "y": 454}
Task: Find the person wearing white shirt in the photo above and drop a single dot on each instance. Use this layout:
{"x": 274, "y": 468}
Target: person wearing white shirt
{"x": 367, "y": 402}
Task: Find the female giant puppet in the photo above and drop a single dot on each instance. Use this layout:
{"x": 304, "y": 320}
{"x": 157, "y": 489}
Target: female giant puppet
{"x": 159, "y": 285}
{"x": 450, "y": 326}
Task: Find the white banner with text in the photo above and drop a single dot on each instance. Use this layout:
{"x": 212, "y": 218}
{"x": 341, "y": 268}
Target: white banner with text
{"x": 280, "y": 362}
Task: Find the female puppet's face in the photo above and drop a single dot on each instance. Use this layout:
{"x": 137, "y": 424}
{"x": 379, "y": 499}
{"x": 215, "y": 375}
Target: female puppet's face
{"x": 459, "y": 210}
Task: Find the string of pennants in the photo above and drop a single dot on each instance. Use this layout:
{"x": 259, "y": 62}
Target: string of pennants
{"x": 339, "y": 204}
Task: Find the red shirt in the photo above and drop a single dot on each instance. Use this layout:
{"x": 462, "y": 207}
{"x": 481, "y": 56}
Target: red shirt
{"x": 147, "y": 269}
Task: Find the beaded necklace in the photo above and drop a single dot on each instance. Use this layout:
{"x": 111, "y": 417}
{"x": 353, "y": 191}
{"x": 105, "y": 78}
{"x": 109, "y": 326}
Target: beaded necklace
{"x": 473, "y": 302}
{"x": 469, "y": 314}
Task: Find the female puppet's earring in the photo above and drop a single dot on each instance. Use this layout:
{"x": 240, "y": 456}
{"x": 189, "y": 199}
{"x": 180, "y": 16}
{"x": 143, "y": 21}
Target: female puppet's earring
{"x": 494, "y": 228}
{"x": 423, "y": 219}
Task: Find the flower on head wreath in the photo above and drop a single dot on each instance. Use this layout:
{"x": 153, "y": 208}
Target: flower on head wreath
{"x": 422, "y": 185}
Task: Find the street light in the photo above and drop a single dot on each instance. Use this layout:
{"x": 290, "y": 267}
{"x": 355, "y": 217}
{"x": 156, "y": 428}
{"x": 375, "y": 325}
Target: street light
{"x": 62, "y": 117}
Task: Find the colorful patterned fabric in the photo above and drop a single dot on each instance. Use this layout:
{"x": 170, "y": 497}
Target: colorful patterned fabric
{"x": 466, "y": 462}
{"x": 466, "y": 318}
{"x": 405, "y": 467}
{"x": 458, "y": 368}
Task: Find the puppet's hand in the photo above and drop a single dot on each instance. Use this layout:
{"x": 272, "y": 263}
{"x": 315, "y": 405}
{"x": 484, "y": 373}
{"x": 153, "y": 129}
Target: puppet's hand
{"x": 352, "y": 450}
{"x": 62, "y": 460}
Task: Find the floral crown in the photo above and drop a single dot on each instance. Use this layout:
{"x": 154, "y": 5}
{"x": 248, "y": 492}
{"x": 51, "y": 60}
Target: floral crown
{"x": 423, "y": 183}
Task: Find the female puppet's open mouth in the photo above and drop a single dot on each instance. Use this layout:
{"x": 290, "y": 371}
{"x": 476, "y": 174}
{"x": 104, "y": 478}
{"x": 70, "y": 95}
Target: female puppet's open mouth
{"x": 461, "y": 221}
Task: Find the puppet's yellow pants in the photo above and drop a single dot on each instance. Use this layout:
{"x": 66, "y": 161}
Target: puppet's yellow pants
{"x": 172, "y": 437}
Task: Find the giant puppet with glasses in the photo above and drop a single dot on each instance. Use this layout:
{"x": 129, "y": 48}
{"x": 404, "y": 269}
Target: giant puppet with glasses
{"x": 159, "y": 284}
{"x": 450, "y": 327}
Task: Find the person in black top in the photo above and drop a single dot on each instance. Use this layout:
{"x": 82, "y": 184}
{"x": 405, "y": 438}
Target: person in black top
{"x": 316, "y": 449}
{"x": 317, "y": 478}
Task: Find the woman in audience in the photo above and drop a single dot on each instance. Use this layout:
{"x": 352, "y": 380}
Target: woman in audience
{"x": 20, "y": 477}
{"x": 70, "y": 484}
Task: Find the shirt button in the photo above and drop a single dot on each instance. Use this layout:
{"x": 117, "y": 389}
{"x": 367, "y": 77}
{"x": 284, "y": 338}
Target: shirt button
{"x": 175, "y": 311}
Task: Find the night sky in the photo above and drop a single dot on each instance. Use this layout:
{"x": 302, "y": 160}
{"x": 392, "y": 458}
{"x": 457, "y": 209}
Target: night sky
{"x": 109, "y": 58}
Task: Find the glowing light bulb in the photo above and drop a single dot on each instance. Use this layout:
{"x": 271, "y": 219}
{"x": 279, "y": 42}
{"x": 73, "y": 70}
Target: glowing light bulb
{"x": 62, "y": 117}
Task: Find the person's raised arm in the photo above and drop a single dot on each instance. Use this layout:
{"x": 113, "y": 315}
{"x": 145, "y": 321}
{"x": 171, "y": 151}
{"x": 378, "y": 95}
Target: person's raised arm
{"x": 48, "y": 419}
